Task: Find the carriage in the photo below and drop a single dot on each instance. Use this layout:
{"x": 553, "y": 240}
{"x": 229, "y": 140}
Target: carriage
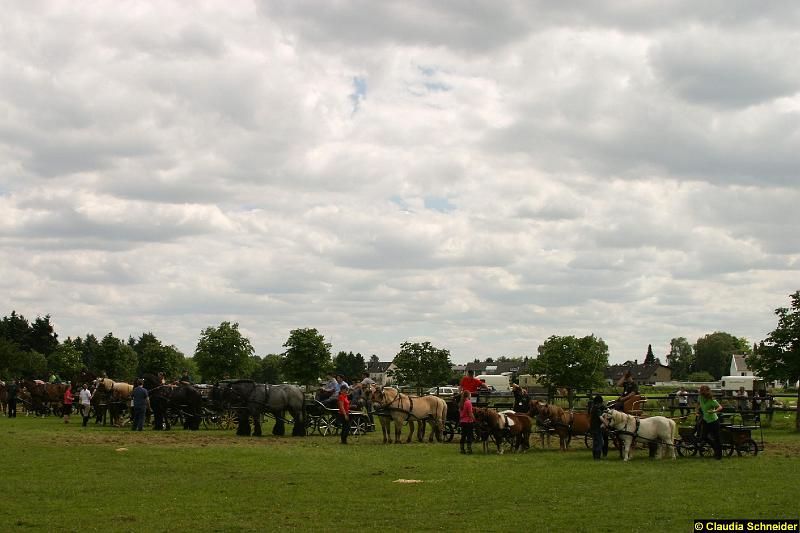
{"x": 733, "y": 437}
{"x": 323, "y": 420}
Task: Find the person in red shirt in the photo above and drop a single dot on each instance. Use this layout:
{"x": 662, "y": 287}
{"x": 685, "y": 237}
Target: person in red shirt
{"x": 344, "y": 411}
{"x": 466, "y": 419}
{"x": 67, "y": 403}
{"x": 470, "y": 383}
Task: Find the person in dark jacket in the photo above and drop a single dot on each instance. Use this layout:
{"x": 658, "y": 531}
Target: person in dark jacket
{"x": 599, "y": 435}
{"x": 522, "y": 402}
{"x": 141, "y": 401}
{"x": 11, "y": 391}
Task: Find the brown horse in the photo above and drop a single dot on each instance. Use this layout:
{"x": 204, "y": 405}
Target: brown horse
{"x": 565, "y": 424}
{"x": 45, "y": 394}
{"x": 505, "y": 425}
{"x": 403, "y": 408}
{"x": 115, "y": 395}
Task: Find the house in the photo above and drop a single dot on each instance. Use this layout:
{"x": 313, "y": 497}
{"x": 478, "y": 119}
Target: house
{"x": 739, "y": 366}
{"x": 381, "y": 372}
{"x": 642, "y": 374}
{"x": 492, "y": 368}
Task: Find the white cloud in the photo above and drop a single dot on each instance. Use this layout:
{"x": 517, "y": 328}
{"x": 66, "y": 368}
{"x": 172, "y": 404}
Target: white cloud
{"x": 482, "y": 176}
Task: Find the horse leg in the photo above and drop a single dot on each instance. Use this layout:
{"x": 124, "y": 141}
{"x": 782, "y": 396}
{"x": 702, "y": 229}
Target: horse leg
{"x": 398, "y": 430}
{"x": 410, "y": 431}
{"x": 256, "y": 424}
{"x": 299, "y": 422}
{"x": 279, "y": 428}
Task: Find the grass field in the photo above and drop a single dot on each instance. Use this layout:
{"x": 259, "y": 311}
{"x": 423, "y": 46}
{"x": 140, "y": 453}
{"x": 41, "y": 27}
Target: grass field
{"x": 58, "y": 477}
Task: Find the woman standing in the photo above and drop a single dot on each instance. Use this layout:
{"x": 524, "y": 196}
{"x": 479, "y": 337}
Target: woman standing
{"x": 708, "y": 408}
{"x": 86, "y": 403}
{"x": 68, "y": 403}
{"x": 466, "y": 418}
{"x": 344, "y": 411}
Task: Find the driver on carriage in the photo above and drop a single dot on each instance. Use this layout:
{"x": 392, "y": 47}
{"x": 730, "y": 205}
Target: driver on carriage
{"x": 630, "y": 392}
{"x": 471, "y": 383}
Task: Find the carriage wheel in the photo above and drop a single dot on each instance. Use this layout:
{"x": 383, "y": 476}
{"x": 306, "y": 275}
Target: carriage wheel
{"x": 686, "y": 448}
{"x": 357, "y": 425}
{"x": 327, "y": 426}
{"x": 229, "y": 419}
{"x": 449, "y": 431}
{"x": 748, "y": 447}
{"x": 705, "y": 449}
{"x": 728, "y": 449}
{"x": 312, "y": 424}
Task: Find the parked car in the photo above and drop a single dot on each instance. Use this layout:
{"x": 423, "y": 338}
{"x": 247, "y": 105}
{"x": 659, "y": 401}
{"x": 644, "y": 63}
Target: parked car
{"x": 446, "y": 390}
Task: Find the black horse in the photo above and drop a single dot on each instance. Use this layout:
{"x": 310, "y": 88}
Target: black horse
{"x": 179, "y": 397}
{"x": 250, "y": 399}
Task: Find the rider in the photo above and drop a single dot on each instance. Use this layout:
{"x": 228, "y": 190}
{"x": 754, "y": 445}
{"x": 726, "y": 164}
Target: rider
{"x": 629, "y": 390}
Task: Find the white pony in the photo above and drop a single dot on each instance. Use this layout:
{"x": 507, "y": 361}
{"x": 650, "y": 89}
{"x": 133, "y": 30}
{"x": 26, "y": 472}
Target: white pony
{"x": 658, "y": 429}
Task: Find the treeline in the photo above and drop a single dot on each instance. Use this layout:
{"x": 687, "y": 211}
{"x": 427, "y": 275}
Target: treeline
{"x": 32, "y": 349}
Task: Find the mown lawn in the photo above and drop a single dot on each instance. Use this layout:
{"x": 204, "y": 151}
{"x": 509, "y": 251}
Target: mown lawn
{"x": 58, "y": 477}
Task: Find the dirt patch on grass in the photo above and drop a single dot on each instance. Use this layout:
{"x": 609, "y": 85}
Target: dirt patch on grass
{"x": 782, "y": 449}
{"x": 170, "y": 439}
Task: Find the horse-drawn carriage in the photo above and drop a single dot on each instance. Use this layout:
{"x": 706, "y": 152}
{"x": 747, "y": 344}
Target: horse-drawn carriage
{"x": 323, "y": 420}
{"x": 733, "y": 438}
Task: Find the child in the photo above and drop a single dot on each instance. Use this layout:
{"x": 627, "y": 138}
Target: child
{"x": 467, "y": 419}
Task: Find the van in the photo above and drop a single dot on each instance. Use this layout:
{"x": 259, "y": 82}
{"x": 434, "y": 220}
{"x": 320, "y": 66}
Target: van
{"x": 731, "y": 384}
{"x": 500, "y": 383}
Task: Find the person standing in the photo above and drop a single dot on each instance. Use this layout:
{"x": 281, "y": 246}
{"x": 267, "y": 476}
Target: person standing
{"x": 11, "y": 390}
{"x": 683, "y": 401}
{"x": 86, "y": 403}
{"x": 522, "y": 403}
{"x": 709, "y": 408}
{"x": 599, "y": 436}
{"x": 141, "y": 401}
{"x": 466, "y": 418}
{"x": 344, "y": 412}
{"x": 68, "y": 398}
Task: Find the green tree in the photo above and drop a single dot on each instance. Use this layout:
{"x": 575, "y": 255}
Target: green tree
{"x": 65, "y": 361}
{"x": 349, "y": 365}
{"x": 11, "y": 357}
{"x": 307, "y": 356}
{"x": 222, "y": 350}
{"x": 422, "y": 364}
{"x": 154, "y": 357}
{"x": 116, "y": 359}
{"x": 190, "y": 365}
{"x": 712, "y": 353}
{"x": 16, "y": 329}
{"x": 649, "y": 358}
{"x": 701, "y": 376}
{"x": 43, "y": 337}
{"x": 778, "y": 356}
{"x": 680, "y": 357}
{"x": 269, "y": 369}
{"x": 574, "y": 363}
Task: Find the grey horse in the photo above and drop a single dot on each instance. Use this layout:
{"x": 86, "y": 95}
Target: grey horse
{"x": 251, "y": 399}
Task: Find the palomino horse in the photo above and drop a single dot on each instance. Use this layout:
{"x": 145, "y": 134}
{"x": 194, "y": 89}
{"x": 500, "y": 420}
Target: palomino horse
{"x": 117, "y": 395}
{"x": 404, "y": 408}
{"x": 564, "y": 423}
{"x": 516, "y": 427}
{"x": 653, "y": 429}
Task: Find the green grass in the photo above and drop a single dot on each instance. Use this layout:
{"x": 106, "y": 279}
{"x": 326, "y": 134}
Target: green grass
{"x": 67, "y": 478}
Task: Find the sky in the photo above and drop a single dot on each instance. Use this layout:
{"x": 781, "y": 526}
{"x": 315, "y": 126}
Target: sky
{"x": 481, "y": 175}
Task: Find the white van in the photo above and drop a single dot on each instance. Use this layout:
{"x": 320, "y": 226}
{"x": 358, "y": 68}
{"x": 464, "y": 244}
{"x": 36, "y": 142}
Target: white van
{"x": 500, "y": 383}
{"x": 731, "y": 384}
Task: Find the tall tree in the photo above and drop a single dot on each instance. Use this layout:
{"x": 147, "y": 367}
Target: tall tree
{"x": 154, "y": 357}
{"x": 349, "y": 365}
{"x": 680, "y": 357}
{"x": 712, "y": 353}
{"x": 422, "y": 364}
{"x": 222, "y": 350}
{"x": 16, "y": 329}
{"x": 307, "y": 356}
{"x": 649, "y": 359}
{"x": 778, "y": 356}
{"x": 43, "y": 337}
{"x": 116, "y": 359}
{"x": 65, "y": 361}
{"x": 11, "y": 357}
{"x": 574, "y": 363}
{"x": 269, "y": 369}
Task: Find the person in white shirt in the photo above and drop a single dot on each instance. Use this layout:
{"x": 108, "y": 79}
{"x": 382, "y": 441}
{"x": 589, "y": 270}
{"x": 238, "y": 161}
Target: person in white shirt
{"x": 86, "y": 403}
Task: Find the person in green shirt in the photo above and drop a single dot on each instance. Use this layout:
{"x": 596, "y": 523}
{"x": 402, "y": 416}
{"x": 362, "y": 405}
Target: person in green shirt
{"x": 708, "y": 407}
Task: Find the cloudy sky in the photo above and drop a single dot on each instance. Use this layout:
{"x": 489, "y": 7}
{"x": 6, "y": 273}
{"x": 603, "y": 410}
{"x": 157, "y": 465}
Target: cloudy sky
{"x": 478, "y": 174}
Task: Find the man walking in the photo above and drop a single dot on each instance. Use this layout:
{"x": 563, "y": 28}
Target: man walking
{"x": 86, "y": 403}
{"x": 11, "y": 390}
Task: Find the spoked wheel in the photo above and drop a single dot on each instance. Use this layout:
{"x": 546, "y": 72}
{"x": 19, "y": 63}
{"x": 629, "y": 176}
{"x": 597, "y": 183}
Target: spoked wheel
{"x": 358, "y": 426}
{"x": 686, "y": 448}
{"x": 327, "y": 426}
{"x": 449, "y": 431}
{"x": 312, "y": 424}
{"x": 229, "y": 419}
{"x": 705, "y": 449}
{"x": 748, "y": 447}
